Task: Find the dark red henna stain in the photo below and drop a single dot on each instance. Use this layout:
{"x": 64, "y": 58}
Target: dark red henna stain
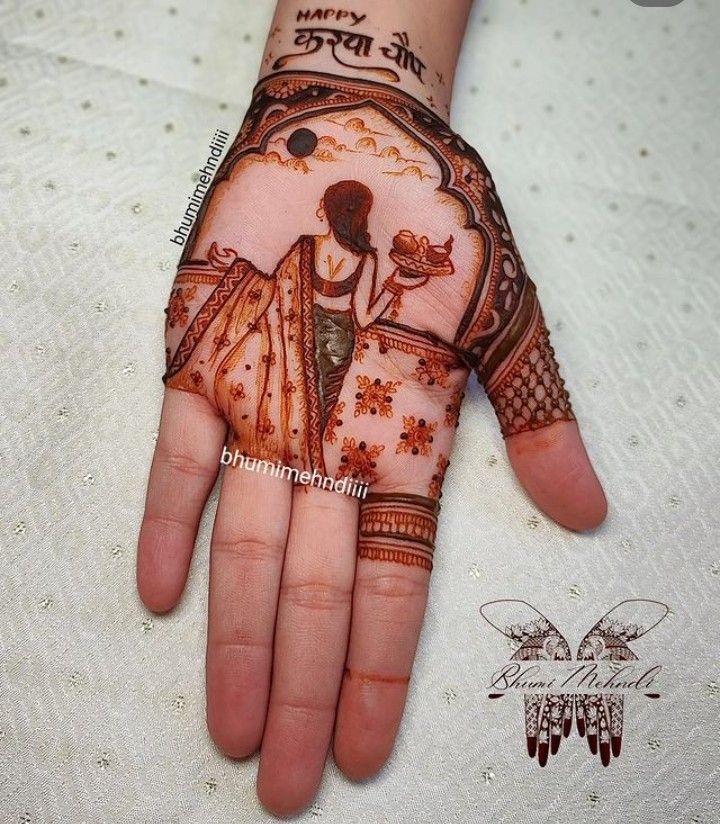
{"x": 399, "y": 528}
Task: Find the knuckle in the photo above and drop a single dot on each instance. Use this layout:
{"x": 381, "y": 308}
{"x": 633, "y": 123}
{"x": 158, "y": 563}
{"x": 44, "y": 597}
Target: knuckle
{"x": 166, "y": 520}
{"x": 320, "y": 596}
{"x": 391, "y": 585}
{"x": 236, "y": 645}
{"x": 305, "y": 708}
{"x": 180, "y": 462}
{"x": 323, "y": 507}
{"x": 247, "y": 548}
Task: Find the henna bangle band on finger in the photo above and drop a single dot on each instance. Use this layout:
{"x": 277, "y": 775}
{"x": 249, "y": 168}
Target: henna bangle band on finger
{"x": 399, "y": 528}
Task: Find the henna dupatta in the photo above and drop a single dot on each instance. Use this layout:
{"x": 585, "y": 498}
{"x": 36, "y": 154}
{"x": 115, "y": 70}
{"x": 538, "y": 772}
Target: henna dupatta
{"x": 251, "y": 349}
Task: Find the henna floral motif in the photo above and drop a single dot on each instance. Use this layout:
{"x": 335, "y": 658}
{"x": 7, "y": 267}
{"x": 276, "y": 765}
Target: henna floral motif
{"x": 452, "y": 408}
{"x": 431, "y": 372}
{"x": 417, "y": 437}
{"x": 362, "y": 344}
{"x": 358, "y": 460}
{"x": 266, "y": 427}
{"x": 286, "y": 87}
{"x": 237, "y": 391}
{"x": 436, "y": 482}
{"x": 178, "y": 309}
{"x": 334, "y": 420}
{"x": 374, "y": 396}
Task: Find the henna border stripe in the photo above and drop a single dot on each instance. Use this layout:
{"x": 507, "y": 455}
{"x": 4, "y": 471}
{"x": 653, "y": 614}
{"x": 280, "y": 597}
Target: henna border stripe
{"x": 398, "y": 522}
{"x": 398, "y": 527}
{"x": 204, "y": 278}
{"x": 514, "y": 331}
{"x": 375, "y": 677}
{"x": 430, "y": 504}
{"x": 395, "y": 544}
{"x": 514, "y": 360}
{"x": 382, "y": 553}
{"x": 412, "y": 343}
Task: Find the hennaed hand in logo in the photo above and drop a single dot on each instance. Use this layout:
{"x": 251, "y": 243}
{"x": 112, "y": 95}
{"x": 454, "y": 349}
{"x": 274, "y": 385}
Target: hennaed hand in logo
{"x": 350, "y": 267}
{"x": 549, "y": 715}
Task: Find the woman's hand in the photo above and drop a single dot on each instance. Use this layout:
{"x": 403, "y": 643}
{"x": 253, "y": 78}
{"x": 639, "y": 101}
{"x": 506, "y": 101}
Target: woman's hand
{"x": 336, "y": 435}
{"x": 398, "y": 282}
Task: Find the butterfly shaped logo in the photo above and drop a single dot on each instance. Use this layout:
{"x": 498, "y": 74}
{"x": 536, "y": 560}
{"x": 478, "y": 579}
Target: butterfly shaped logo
{"x": 549, "y": 715}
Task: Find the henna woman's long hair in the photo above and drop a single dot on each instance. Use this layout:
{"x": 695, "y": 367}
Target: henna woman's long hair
{"x": 347, "y": 205}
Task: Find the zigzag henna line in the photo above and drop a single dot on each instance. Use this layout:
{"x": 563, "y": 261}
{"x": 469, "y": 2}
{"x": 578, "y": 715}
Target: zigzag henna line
{"x": 399, "y": 528}
{"x": 308, "y": 327}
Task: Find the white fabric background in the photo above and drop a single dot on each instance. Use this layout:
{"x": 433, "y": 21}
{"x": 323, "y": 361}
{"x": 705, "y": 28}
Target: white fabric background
{"x": 600, "y": 122}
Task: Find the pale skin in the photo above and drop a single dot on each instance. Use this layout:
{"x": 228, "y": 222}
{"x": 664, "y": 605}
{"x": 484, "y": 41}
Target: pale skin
{"x": 309, "y": 646}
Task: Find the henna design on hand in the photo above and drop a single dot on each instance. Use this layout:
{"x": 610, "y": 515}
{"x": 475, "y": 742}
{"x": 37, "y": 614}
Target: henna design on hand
{"x": 527, "y": 390}
{"x": 339, "y": 339}
{"x": 399, "y": 528}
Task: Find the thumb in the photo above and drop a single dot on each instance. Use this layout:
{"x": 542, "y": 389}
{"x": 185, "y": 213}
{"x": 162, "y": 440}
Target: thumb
{"x": 543, "y": 441}
{"x": 553, "y": 466}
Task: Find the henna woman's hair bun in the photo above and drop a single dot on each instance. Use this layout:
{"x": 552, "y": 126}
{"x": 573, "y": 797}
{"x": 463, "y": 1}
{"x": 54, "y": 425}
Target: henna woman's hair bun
{"x": 347, "y": 205}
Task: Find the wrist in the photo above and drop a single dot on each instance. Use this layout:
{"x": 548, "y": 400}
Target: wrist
{"x": 396, "y": 44}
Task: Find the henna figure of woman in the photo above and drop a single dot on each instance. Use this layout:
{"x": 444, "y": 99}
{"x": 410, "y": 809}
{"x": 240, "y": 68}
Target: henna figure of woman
{"x": 287, "y": 338}
{"x": 344, "y": 304}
